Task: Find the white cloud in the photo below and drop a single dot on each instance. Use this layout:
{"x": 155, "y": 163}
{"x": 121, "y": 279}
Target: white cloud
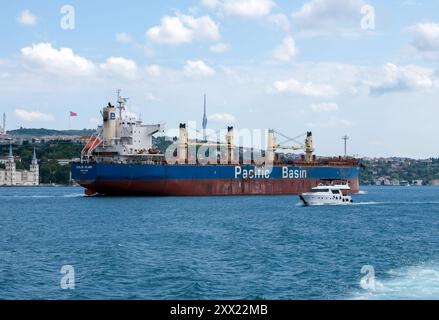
{"x": 32, "y": 116}
{"x": 248, "y": 8}
{"x": 395, "y": 78}
{"x": 27, "y": 18}
{"x": 219, "y": 48}
{"x": 63, "y": 61}
{"x": 222, "y": 117}
{"x": 333, "y": 122}
{"x": 171, "y": 31}
{"x": 124, "y": 38}
{"x": 305, "y": 89}
{"x": 286, "y": 51}
{"x": 326, "y": 106}
{"x": 184, "y": 29}
{"x": 198, "y": 68}
{"x": 241, "y": 8}
{"x": 329, "y": 15}
{"x": 280, "y": 20}
{"x": 426, "y": 39}
{"x": 203, "y": 28}
{"x": 121, "y": 66}
{"x": 151, "y": 97}
{"x": 211, "y": 4}
{"x": 154, "y": 70}
{"x": 409, "y": 3}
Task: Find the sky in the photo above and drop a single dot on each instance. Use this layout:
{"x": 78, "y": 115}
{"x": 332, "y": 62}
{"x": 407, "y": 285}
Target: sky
{"x": 368, "y": 69}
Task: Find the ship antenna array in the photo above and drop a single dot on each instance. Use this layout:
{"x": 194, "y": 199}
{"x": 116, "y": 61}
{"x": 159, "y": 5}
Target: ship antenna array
{"x": 121, "y": 103}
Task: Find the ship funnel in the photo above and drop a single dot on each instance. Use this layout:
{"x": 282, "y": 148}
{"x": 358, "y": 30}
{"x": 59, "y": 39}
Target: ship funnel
{"x": 109, "y": 127}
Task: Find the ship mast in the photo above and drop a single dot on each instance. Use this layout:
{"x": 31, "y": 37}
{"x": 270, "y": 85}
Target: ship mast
{"x": 121, "y": 103}
{"x": 345, "y": 139}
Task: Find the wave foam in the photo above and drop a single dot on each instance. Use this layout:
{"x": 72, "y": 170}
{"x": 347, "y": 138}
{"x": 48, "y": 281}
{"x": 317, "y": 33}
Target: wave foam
{"x": 410, "y": 283}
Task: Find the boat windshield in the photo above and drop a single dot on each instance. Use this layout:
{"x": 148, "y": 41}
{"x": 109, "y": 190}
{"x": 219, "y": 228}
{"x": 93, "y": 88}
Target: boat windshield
{"x": 319, "y": 190}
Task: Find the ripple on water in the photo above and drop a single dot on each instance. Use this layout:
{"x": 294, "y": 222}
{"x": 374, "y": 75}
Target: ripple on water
{"x": 217, "y": 247}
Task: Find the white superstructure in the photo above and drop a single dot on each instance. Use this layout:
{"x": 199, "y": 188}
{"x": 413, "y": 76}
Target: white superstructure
{"x": 327, "y": 195}
{"x": 122, "y": 135}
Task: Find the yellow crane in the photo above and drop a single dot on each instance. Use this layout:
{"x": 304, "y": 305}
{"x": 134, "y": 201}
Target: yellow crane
{"x": 308, "y": 147}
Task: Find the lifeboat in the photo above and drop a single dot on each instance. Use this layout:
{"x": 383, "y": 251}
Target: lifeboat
{"x": 153, "y": 151}
{"x": 92, "y": 143}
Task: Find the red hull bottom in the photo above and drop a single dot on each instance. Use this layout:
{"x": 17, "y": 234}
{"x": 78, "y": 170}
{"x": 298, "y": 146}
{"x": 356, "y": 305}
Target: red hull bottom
{"x": 205, "y": 187}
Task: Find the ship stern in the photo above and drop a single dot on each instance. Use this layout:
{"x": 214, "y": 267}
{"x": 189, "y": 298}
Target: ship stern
{"x": 85, "y": 175}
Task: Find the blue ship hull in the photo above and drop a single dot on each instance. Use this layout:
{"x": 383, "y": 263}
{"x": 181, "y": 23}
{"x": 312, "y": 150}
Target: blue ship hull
{"x": 210, "y": 180}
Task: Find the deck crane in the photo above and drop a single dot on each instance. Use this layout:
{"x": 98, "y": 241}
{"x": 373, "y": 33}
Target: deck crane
{"x": 273, "y": 146}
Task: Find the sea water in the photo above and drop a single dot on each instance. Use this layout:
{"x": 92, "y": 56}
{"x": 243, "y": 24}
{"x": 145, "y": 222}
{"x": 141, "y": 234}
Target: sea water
{"x": 267, "y": 247}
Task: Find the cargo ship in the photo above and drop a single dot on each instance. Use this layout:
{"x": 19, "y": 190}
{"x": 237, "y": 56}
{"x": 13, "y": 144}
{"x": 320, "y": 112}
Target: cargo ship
{"x": 120, "y": 160}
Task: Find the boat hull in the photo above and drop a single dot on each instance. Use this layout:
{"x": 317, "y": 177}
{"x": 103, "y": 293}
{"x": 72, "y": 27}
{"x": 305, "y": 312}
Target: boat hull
{"x": 220, "y": 180}
{"x": 325, "y": 200}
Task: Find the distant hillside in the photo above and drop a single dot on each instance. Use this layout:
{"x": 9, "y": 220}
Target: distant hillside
{"x": 36, "y": 133}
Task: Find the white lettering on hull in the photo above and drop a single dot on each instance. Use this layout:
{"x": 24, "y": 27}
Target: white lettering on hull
{"x": 293, "y": 174}
{"x": 261, "y": 173}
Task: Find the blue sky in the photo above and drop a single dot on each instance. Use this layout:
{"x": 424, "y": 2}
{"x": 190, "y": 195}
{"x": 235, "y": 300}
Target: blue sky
{"x": 289, "y": 65}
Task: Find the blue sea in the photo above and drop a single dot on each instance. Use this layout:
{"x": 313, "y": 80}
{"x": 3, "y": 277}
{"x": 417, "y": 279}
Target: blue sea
{"x": 218, "y": 247}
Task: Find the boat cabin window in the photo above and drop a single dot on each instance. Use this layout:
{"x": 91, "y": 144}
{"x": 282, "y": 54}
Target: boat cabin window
{"x": 320, "y": 190}
{"x": 335, "y": 191}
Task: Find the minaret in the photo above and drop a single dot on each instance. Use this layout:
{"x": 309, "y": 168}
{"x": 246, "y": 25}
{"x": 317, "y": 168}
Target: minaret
{"x": 204, "y": 120}
{"x": 35, "y": 169}
{"x": 10, "y": 169}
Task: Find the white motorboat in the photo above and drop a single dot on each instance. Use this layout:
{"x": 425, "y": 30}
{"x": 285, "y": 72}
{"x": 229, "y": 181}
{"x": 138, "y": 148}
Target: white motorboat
{"x": 327, "y": 195}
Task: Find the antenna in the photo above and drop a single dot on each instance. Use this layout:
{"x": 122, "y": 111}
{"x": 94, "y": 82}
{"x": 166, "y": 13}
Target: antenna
{"x": 345, "y": 138}
{"x": 121, "y": 103}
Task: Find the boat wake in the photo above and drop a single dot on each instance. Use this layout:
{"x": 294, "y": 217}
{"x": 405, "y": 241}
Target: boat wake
{"x": 409, "y": 283}
{"x": 74, "y": 195}
{"x": 369, "y": 203}
{"x": 37, "y": 196}
{"x": 373, "y": 203}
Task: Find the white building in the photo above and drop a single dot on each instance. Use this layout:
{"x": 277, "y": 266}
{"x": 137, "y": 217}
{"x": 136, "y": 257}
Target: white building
{"x": 10, "y": 176}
